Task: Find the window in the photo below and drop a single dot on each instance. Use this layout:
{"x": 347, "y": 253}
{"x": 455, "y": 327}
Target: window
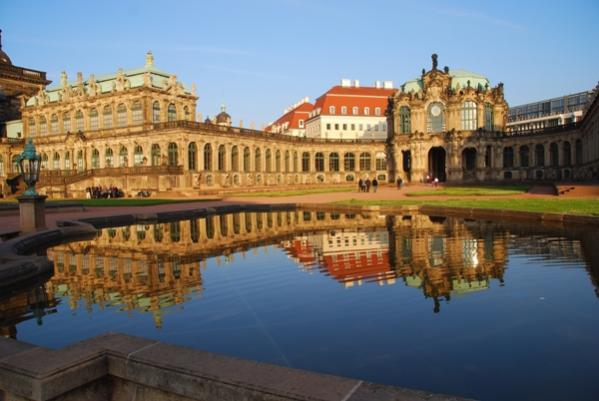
{"x": 54, "y": 124}
{"x": 246, "y": 160}
{"x": 138, "y": 155}
{"x": 192, "y": 151}
{"x": 508, "y": 157}
{"x": 222, "y": 153}
{"x": 336, "y": 127}
{"x": 553, "y": 155}
{"x": 405, "y": 120}
{"x": 67, "y": 161}
{"x": 43, "y": 126}
{"x": 328, "y": 126}
{"x": 173, "y": 155}
{"x": 235, "y": 158}
{"x": 155, "y": 155}
{"x": 208, "y": 157}
{"x": 123, "y": 157}
{"x": 305, "y": 162}
{"x": 278, "y": 161}
{"x": 539, "y": 155}
{"x": 107, "y": 117}
{"x": 66, "y": 122}
{"x": 567, "y": 154}
{"x": 95, "y": 158}
{"x": 268, "y": 160}
{"x": 361, "y": 127}
{"x": 257, "y": 160}
{"x": 56, "y": 161}
{"x": 171, "y": 112}
{"x": 331, "y": 109}
{"x": 436, "y": 117}
{"x": 489, "y": 126}
{"x": 468, "y": 116}
{"x": 121, "y": 114}
{"x": 381, "y": 161}
{"x": 136, "y": 112}
{"x": 354, "y": 111}
{"x": 319, "y": 161}
{"x": 31, "y": 123}
{"x": 156, "y": 112}
{"x": 186, "y": 114}
{"x": 334, "y": 161}
{"x": 93, "y": 119}
{"x": 366, "y": 111}
{"x": 301, "y": 123}
{"x": 365, "y": 160}
{"x": 343, "y": 110}
{"x": 287, "y": 159}
{"x": 349, "y": 162}
{"x": 79, "y": 121}
{"x": 524, "y": 156}
{"x": 108, "y": 157}
{"x": 344, "y": 127}
{"x": 353, "y": 127}
{"x": 377, "y": 111}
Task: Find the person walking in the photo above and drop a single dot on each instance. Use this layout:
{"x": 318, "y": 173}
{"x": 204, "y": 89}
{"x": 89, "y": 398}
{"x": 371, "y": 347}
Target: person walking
{"x": 367, "y": 184}
{"x": 360, "y": 185}
{"x": 375, "y": 185}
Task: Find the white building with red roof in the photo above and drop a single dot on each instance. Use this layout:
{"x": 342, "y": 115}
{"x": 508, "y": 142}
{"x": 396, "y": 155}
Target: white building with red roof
{"x": 293, "y": 120}
{"x": 351, "y": 111}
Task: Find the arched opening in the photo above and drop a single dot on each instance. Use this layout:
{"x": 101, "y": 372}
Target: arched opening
{"x": 349, "y": 162}
{"x": 405, "y": 124}
{"x": 171, "y": 112}
{"x": 208, "y": 157}
{"x": 93, "y": 119}
{"x": 578, "y": 151}
{"x": 156, "y": 112}
{"x": 334, "y": 161}
{"x": 123, "y": 157}
{"x": 278, "y": 161}
{"x": 79, "y": 126}
{"x": 319, "y": 161}
{"x": 524, "y": 156}
{"x": 553, "y": 155}
{"x": 567, "y": 154}
{"x": 235, "y": 158}
{"x": 436, "y": 163}
{"x": 508, "y": 157}
{"x": 67, "y": 161}
{"x": 539, "y": 155}
{"x": 468, "y": 114}
{"x": 436, "y": 117}
{"x": 138, "y": 156}
{"x": 95, "y": 158}
{"x": 246, "y": 159}
{"x": 381, "y": 161}
{"x": 192, "y": 154}
{"x": 108, "y": 157}
{"x": 305, "y": 162}
{"x": 257, "y": 160}
{"x": 155, "y": 155}
{"x": 287, "y": 159}
{"x": 406, "y": 162}
{"x": 222, "y": 155}
{"x": 136, "y": 112}
{"x": 365, "y": 161}
{"x": 268, "y": 160}
{"x": 173, "y": 155}
{"x": 469, "y": 159}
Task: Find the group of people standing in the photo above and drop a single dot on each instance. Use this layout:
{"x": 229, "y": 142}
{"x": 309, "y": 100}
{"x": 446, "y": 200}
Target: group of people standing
{"x": 364, "y": 185}
{"x": 100, "y": 192}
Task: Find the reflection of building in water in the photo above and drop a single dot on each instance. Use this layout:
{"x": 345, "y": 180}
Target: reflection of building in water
{"x": 349, "y": 256}
{"x": 33, "y": 303}
{"x": 445, "y": 257}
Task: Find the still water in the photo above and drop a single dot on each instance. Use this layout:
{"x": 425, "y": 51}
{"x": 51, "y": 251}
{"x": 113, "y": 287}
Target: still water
{"x": 472, "y": 308}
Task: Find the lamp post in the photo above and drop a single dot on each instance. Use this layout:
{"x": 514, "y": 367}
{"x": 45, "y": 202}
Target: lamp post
{"x": 31, "y": 204}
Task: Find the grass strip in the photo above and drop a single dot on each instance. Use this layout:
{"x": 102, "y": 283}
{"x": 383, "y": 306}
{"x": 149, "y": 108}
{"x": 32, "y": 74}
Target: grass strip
{"x": 472, "y": 191}
{"x": 297, "y": 192}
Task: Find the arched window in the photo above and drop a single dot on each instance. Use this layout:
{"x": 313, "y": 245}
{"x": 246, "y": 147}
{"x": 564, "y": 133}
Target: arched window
{"x": 66, "y": 122}
{"x": 381, "y": 161}
{"x": 123, "y": 157}
{"x": 222, "y": 155}
{"x": 334, "y": 161}
{"x": 156, "y": 112}
{"x": 235, "y": 158}
{"x": 377, "y": 111}
{"x": 173, "y": 155}
{"x": 468, "y": 115}
{"x": 295, "y": 160}
{"x": 354, "y": 111}
{"x": 138, "y": 155}
{"x": 508, "y": 157}
{"x": 489, "y": 125}
{"x": 524, "y": 156}
{"x": 15, "y": 164}
{"x": 343, "y": 110}
{"x": 121, "y": 115}
{"x": 54, "y": 124}
{"x": 192, "y": 154}
{"x": 436, "y": 117}
{"x": 405, "y": 120}
{"x": 171, "y": 112}
{"x": 257, "y": 160}
{"x": 578, "y": 151}
{"x": 43, "y": 126}
{"x": 31, "y": 123}
{"x": 319, "y": 161}
{"x": 186, "y": 113}
{"x": 44, "y": 163}
{"x": 155, "y": 155}
{"x": 136, "y": 112}
{"x": 80, "y": 160}
{"x": 278, "y": 161}
{"x": 331, "y": 109}
{"x": 349, "y": 161}
{"x": 366, "y": 111}
{"x": 246, "y": 159}
{"x": 56, "y": 161}
{"x": 79, "y": 124}
{"x": 93, "y": 119}
{"x": 107, "y": 116}
{"x": 95, "y": 158}
{"x": 287, "y": 160}
{"x": 567, "y": 154}
{"x": 268, "y": 160}
{"x": 539, "y": 155}
{"x": 365, "y": 162}
{"x": 305, "y": 162}
{"x": 553, "y": 155}
{"x": 208, "y": 157}
{"x": 67, "y": 161}
{"x": 108, "y": 157}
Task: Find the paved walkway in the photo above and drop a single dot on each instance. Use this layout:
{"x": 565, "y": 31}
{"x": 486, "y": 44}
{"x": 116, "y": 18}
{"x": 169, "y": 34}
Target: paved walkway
{"x": 11, "y": 222}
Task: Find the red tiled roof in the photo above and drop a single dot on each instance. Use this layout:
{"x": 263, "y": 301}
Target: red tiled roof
{"x": 351, "y": 97}
{"x": 292, "y": 117}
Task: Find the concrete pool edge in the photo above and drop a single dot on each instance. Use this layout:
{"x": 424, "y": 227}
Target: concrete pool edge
{"x": 121, "y": 367}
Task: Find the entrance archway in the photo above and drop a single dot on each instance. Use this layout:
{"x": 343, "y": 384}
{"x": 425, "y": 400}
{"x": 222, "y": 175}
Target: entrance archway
{"x": 436, "y": 163}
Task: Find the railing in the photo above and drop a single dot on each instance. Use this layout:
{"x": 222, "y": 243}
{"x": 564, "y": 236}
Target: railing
{"x": 13, "y": 141}
{"x": 65, "y": 177}
{"x": 545, "y": 130}
{"x": 20, "y": 72}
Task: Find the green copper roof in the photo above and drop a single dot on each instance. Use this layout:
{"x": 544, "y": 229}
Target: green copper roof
{"x": 460, "y": 77}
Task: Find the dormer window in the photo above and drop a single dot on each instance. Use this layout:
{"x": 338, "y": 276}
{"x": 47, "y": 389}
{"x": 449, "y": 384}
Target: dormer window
{"x": 377, "y": 111}
{"x": 301, "y": 123}
{"x": 343, "y": 110}
{"x": 331, "y": 109}
{"x": 366, "y": 111}
{"x": 354, "y": 111}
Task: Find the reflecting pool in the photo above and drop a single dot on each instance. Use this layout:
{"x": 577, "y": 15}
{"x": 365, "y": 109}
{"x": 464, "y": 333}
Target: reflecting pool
{"x": 487, "y": 310}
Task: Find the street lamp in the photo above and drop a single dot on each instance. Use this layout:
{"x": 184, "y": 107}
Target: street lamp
{"x": 29, "y": 164}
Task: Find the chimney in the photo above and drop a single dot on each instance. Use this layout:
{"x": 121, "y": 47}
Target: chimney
{"x": 356, "y": 83}
{"x": 377, "y": 84}
{"x": 388, "y": 84}
{"x": 346, "y": 83}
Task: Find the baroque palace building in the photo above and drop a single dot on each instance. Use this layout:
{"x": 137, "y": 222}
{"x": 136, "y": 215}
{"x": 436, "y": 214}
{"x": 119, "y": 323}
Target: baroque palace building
{"x": 137, "y": 130}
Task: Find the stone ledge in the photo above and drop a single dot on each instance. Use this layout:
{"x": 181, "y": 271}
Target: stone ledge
{"x": 174, "y": 372}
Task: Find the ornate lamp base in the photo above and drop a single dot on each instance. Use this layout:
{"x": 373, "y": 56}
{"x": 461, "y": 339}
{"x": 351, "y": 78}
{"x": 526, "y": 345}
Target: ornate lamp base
{"x": 32, "y": 212}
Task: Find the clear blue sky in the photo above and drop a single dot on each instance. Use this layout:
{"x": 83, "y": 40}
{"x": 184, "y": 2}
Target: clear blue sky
{"x": 259, "y": 56}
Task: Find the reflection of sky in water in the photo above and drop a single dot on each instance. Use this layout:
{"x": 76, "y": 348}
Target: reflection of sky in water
{"x": 516, "y": 314}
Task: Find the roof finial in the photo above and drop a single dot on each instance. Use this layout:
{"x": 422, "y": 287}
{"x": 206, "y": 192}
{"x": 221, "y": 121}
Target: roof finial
{"x": 434, "y": 57}
{"x": 149, "y": 59}
{"x": 0, "y": 39}
{"x": 223, "y": 108}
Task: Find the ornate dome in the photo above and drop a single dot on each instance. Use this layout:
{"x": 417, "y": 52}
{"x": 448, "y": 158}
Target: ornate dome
{"x": 4, "y": 59}
{"x": 462, "y": 77}
{"x": 223, "y": 117}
